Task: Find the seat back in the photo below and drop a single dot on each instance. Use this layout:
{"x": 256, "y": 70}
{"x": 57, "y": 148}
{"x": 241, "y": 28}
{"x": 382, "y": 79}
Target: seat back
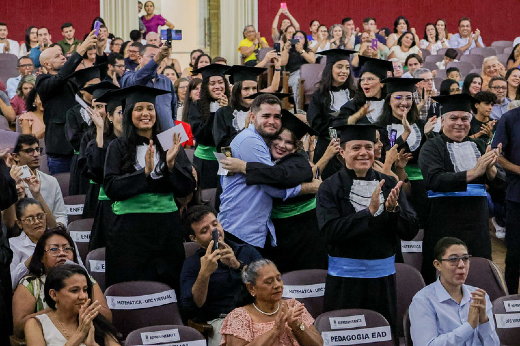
{"x": 476, "y": 70}
{"x": 8, "y": 66}
{"x": 189, "y": 153}
{"x": 412, "y": 250}
{"x": 425, "y": 52}
{"x": 464, "y": 67}
{"x": 409, "y": 281}
{"x": 74, "y": 206}
{"x": 484, "y": 51}
{"x": 79, "y": 231}
{"x": 430, "y": 65}
{"x": 508, "y": 50}
{"x": 209, "y": 195}
{"x": 487, "y": 275}
{"x": 43, "y": 164}
{"x": 64, "y": 182}
{"x": 190, "y": 247}
{"x": 475, "y": 59}
{"x": 364, "y": 327}
{"x": 138, "y": 304}
{"x": 262, "y": 53}
{"x": 441, "y": 74}
{"x": 306, "y": 286}
{"x": 433, "y": 58}
{"x": 507, "y": 314}
{"x": 165, "y": 334}
{"x": 502, "y": 44}
{"x": 95, "y": 264}
{"x": 310, "y": 75}
{"x": 407, "y": 326}
{"x": 503, "y": 58}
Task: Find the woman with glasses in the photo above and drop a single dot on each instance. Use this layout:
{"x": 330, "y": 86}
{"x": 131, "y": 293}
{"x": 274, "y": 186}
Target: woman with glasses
{"x": 54, "y": 249}
{"x": 449, "y": 312}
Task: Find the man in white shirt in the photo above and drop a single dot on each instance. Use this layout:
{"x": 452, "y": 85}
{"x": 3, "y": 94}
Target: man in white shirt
{"x": 6, "y": 45}
{"x": 25, "y": 67}
{"x": 465, "y": 40}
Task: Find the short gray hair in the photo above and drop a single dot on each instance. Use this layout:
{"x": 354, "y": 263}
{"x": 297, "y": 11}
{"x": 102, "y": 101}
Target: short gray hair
{"x": 420, "y": 71}
{"x": 250, "y": 274}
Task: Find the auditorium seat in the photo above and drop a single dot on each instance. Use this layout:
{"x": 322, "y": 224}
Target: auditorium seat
{"x": 79, "y": 231}
{"x": 475, "y": 59}
{"x": 165, "y": 335}
{"x": 442, "y": 51}
{"x": 310, "y": 75}
{"x": 209, "y": 195}
{"x": 508, "y": 50}
{"x": 484, "y": 51}
{"x": 406, "y": 327}
{"x": 487, "y": 275}
{"x": 430, "y": 65}
{"x": 367, "y": 323}
{"x": 43, "y": 164}
{"x": 190, "y": 247}
{"x": 306, "y": 286}
{"x": 412, "y": 250}
{"x": 64, "y": 182}
{"x": 189, "y": 153}
{"x": 441, "y": 74}
{"x": 408, "y": 282}
{"x": 506, "y": 309}
{"x": 503, "y": 58}
{"x": 434, "y": 58}
{"x": 476, "y": 70}
{"x": 95, "y": 264}
{"x": 502, "y": 44}
{"x": 425, "y": 53}
{"x": 74, "y": 206}
{"x": 8, "y": 67}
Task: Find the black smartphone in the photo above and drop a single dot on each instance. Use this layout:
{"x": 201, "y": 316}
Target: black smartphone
{"x": 393, "y": 137}
{"x": 169, "y": 38}
{"x": 276, "y": 47}
{"x": 294, "y": 41}
{"x": 214, "y": 235}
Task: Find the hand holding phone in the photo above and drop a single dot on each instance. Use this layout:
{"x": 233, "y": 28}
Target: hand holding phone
{"x": 374, "y": 44}
{"x": 276, "y": 47}
{"x": 283, "y": 5}
{"x": 393, "y": 137}
{"x": 214, "y": 236}
{"x": 26, "y": 172}
{"x": 333, "y": 133}
{"x": 97, "y": 25}
{"x": 317, "y": 175}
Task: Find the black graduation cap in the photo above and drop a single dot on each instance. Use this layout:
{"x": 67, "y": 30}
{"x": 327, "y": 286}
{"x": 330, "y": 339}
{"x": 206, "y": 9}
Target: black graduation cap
{"x": 211, "y": 70}
{"x": 241, "y": 73}
{"x": 335, "y": 55}
{"x": 140, "y": 93}
{"x": 96, "y": 90}
{"x": 394, "y": 84}
{"x": 459, "y": 102}
{"x": 358, "y": 132}
{"x": 279, "y": 95}
{"x": 81, "y": 77}
{"x": 376, "y": 66}
{"x": 112, "y": 98}
{"x": 295, "y": 125}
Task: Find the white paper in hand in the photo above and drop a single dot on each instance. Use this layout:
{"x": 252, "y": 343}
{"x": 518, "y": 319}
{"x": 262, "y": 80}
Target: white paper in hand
{"x": 166, "y": 137}
{"x": 220, "y": 156}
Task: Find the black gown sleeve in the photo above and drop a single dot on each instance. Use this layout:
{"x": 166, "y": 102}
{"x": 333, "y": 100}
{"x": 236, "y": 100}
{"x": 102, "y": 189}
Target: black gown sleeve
{"x": 317, "y": 117}
{"x": 74, "y": 127}
{"x": 8, "y": 195}
{"x": 286, "y": 174}
{"x": 223, "y": 129}
{"x": 82, "y": 159}
{"x": 202, "y": 130}
{"x": 95, "y": 157}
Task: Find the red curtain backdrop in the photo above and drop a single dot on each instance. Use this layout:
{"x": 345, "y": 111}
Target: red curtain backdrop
{"x": 497, "y": 20}
{"x": 20, "y": 14}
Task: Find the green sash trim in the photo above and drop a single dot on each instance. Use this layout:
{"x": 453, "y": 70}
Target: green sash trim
{"x": 155, "y": 203}
{"x": 285, "y": 210}
{"x": 102, "y": 195}
{"x": 76, "y": 152}
{"x": 204, "y": 152}
{"x": 414, "y": 172}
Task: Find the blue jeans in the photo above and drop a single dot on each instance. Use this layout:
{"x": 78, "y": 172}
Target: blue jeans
{"x": 58, "y": 164}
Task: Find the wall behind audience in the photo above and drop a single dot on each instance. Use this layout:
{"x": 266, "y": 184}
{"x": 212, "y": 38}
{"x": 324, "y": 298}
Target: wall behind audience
{"x": 502, "y": 25}
{"x": 20, "y": 14}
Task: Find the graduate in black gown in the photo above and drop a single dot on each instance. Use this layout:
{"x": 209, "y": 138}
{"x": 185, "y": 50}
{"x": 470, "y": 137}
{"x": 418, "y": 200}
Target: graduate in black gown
{"x": 95, "y": 153}
{"x": 77, "y": 123}
{"x": 456, "y": 170}
{"x": 334, "y": 90}
{"x": 361, "y": 212}
{"x": 214, "y": 94}
{"x": 145, "y": 240}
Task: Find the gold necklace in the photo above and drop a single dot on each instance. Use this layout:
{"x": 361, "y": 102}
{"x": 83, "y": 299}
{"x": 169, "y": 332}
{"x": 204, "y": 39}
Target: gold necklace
{"x": 61, "y": 327}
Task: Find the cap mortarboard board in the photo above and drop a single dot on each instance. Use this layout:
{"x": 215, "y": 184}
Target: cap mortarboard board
{"x": 211, "y": 70}
{"x": 358, "y": 132}
{"x": 335, "y": 55}
{"x": 376, "y": 66}
{"x": 140, "y": 93}
{"x": 279, "y": 95}
{"x": 112, "y": 98}
{"x": 81, "y": 77}
{"x": 394, "y": 84}
{"x": 459, "y": 102}
{"x": 295, "y": 125}
{"x": 96, "y": 90}
{"x": 241, "y": 73}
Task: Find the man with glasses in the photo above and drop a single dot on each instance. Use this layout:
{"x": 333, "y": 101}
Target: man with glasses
{"x": 27, "y": 152}
{"x": 398, "y": 67}
{"x": 456, "y": 170}
{"x": 132, "y": 61}
{"x": 449, "y": 312}
{"x": 466, "y": 40}
{"x": 498, "y": 86}
{"x": 116, "y": 68}
{"x": 423, "y": 95}
{"x": 25, "y": 67}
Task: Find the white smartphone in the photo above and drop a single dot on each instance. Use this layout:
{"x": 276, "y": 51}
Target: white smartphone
{"x": 26, "y": 172}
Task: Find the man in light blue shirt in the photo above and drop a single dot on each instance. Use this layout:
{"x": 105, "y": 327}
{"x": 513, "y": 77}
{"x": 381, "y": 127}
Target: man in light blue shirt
{"x": 150, "y": 59}
{"x": 448, "y": 312}
{"x": 465, "y": 40}
{"x": 25, "y": 67}
{"x": 245, "y": 209}
{"x": 498, "y": 86}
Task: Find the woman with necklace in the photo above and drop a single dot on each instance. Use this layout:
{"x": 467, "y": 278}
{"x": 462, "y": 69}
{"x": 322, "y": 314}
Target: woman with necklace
{"x": 263, "y": 318}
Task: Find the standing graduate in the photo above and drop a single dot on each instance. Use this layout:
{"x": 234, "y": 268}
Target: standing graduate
{"x": 456, "y": 170}
{"x": 361, "y": 212}
{"x": 145, "y": 240}
{"x": 335, "y": 89}
{"x": 214, "y": 94}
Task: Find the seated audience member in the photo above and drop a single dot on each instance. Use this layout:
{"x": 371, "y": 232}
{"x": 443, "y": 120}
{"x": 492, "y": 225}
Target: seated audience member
{"x": 472, "y": 84}
{"x": 398, "y": 67}
{"x": 169, "y": 71}
{"x": 181, "y": 86}
{"x": 202, "y": 60}
{"x": 69, "y": 43}
{"x": 441, "y": 25}
{"x": 44, "y": 42}
{"x": 79, "y": 314}
{"x": 322, "y": 41}
{"x": 7, "y": 113}
{"x": 116, "y": 68}
{"x": 491, "y": 68}
{"x": 449, "y": 312}
{"x": 263, "y": 318}
{"x": 513, "y": 81}
{"x": 350, "y": 28}
{"x": 404, "y": 47}
{"x": 365, "y": 48}
{"x": 151, "y": 20}
{"x": 449, "y": 56}
{"x": 369, "y": 23}
{"x": 431, "y": 40}
{"x": 116, "y": 44}
{"x": 7, "y": 45}
{"x": 466, "y": 40}
{"x": 32, "y": 121}
{"x": 192, "y": 95}
{"x": 313, "y": 32}
{"x": 424, "y": 93}
{"x": 412, "y": 63}
{"x": 54, "y": 247}
{"x": 513, "y": 60}
{"x": 276, "y": 33}
{"x": 31, "y": 41}
{"x": 401, "y": 25}
{"x": 25, "y": 67}
{"x": 338, "y": 37}
{"x": 22, "y": 91}
{"x": 186, "y": 73}
{"x": 251, "y": 44}
{"x": 153, "y": 38}
{"x": 211, "y": 279}
{"x": 481, "y": 125}
{"x": 89, "y": 58}
{"x": 132, "y": 61}
{"x": 453, "y": 73}
{"x": 498, "y": 86}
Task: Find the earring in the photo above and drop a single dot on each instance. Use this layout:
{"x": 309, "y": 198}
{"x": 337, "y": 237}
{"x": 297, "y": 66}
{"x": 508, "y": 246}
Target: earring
{"x": 34, "y": 104}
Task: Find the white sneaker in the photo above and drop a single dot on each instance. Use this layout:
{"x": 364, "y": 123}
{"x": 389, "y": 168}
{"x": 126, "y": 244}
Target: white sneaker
{"x": 500, "y": 232}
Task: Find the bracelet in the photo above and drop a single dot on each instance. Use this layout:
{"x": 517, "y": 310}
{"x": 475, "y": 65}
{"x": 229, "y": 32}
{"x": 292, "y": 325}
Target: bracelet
{"x": 277, "y": 69}
{"x": 302, "y": 52}
{"x": 393, "y": 209}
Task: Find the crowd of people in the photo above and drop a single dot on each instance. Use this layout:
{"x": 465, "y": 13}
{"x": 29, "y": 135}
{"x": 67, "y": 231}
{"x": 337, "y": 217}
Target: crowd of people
{"x": 378, "y": 153}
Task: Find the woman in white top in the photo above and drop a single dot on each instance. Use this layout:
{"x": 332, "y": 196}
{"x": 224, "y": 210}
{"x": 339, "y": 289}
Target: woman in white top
{"x": 31, "y": 41}
{"x": 401, "y": 25}
{"x": 322, "y": 43}
{"x": 405, "y": 46}
{"x": 441, "y": 25}
{"x": 431, "y": 40}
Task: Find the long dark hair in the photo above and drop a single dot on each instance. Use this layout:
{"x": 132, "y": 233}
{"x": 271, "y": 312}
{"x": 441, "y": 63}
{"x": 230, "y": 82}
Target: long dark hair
{"x": 235, "y": 101}
{"x": 508, "y": 73}
{"x": 436, "y": 32}
{"x": 56, "y": 281}
{"x": 194, "y": 83}
{"x": 196, "y": 63}
{"x": 396, "y": 23}
{"x": 306, "y": 44}
{"x": 360, "y": 98}
{"x": 193, "y": 52}
{"x": 28, "y": 37}
{"x": 206, "y": 99}
{"x": 411, "y": 116}
{"x": 29, "y": 101}
{"x": 324, "y": 86}
{"x": 400, "y": 39}
{"x": 467, "y": 82}
{"x": 446, "y": 84}
{"x": 512, "y": 55}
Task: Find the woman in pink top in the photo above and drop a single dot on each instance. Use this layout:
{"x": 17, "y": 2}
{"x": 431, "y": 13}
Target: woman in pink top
{"x": 152, "y": 21}
{"x": 264, "y": 318}
{"x": 32, "y": 121}
{"x": 24, "y": 87}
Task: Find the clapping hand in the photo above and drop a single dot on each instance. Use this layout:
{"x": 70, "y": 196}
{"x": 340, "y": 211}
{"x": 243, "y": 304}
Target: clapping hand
{"x": 149, "y": 159}
{"x": 223, "y": 101}
{"x": 375, "y": 200}
{"x": 430, "y": 124}
{"x": 393, "y": 197}
{"x": 87, "y": 313}
{"x": 402, "y": 159}
{"x": 294, "y": 313}
{"x": 171, "y": 154}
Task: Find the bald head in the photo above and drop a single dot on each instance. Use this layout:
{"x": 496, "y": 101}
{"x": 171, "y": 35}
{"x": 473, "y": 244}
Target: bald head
{"x": 153, "y": 38}
{"x": 52, "y": 59}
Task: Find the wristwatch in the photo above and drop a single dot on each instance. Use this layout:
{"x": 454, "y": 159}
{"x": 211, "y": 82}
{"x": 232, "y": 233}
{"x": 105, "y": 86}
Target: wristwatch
{"x": 241, "y": 266}
{"x": 302, "y": 326}
{"x": 393, "y": 209}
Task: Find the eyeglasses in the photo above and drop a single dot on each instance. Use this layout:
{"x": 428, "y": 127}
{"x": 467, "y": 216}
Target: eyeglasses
{"x": 298, "y": 37}
{"x": 402, "y": 98}
{"x": 26, "y": 65}
{"x": 55, "y": 251}
{"x": 398, "y": 67}
{"x": 368, "y": 79}
{"x": 428, "y": 80}
{"x": 31, "y": 220}
{"x": 499, "y": 87}
{"x": 30, "y": 151}
{"x": 454, "y": 261}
